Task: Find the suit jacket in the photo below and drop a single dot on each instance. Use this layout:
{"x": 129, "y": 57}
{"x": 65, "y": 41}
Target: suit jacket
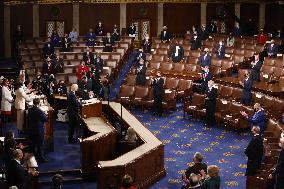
{"x": 16, "y": 175}
{"x": 108, "y": 41}
{"x": 247, "y": 89}
{"x": 237, "y": 32}
{"x": 180, "y": 53}
{"x": 21, "y": 97}
{"x": 73, "y": 104}
{"x": 99, "y": 63}
{"x": 147, "y": 45}
{"x": 273, "y": 50}
{"x": 212, "y": 28}
{"x": 221, "y": 52}
{"x": 48, "y": 49}
{"x": 196, "y": 168}
{"x": 7, "y": 99}
{"x": 165, "y": 36}
{"x": 140, "y": 55}
{"x": 88, "y": 58}
{"x": 211, "y": 183}
{"x": 99, "y": 30}
{"x": 211, "y": 95}
{"x": 141, "y": 77}
{"x": 205, "y": 78}
{"x": 195, "y": 44}
{"x": 258, "y": 119}
{"x": 255, "y": 71}
{"x": 55, "y": 40}
{"x": 254, "y": 150}
{"x": 66, "y": 44}
{"x": 91, "y": 39}
{"x": 203, "y": 34}
{"x": 48, "y": 69}
{"x": 36, "y": 121}
{"x": 205, "y": 61}
{"x": 131, "y": 30}
{"x": 279, "y": 169}
{"x": 158, "y": 88}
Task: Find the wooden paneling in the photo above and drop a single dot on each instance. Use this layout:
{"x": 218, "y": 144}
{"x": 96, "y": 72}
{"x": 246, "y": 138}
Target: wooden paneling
{"x": 250, "y": 11}
{"x": 2, "y": 29}
{"x": 22, "y": 15}
{"x": 60, "y": 12}
{"x": 274, "y": 14}
{"x": 143, "y": 11}
{"x": 91, "y": 14}
{"x": 180, "y": 17}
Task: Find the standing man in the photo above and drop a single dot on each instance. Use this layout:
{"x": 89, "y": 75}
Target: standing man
{"x": 131, "y": 30}
{"x": 205, "y": 60}
{"x": 220, "y": 53}
{"x": 254, "y": 152}
{"x": 158, "y": 92}
{"x": 88, "y": 57}
{"x": 108, "y": 43}
{"x": 165, "y": 36}
{"x": 36, "y": 121}
{"x": 206, "y": 76}
{"x": 99, "y": 30}
{"x": 176, "y": 53}
{"x": 73, "y": 106}
{"x": 99, "y": 63}
{"x": 210, "y": 103}
{"x": 247, "y": 87}
{"x": 278, "y": 172}
{"x": 146, "y": 44}
{"x": 66, "y": 43}
{"x": 272, "y": 49}
{"x": 141, "y": 73}
{"x": 255, "y": 68}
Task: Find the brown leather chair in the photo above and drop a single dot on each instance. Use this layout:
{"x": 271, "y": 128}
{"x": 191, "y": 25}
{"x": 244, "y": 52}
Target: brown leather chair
{"x": 192, "y": 60}
{"x": 257, "y": 97}
{"x": 237, "y": 94}
{"x": 190, "y": 68}
{"x": 186, "y": 47}
{"x": 277, "y": 73}
{"x": 75, "y": 62}
{"x": 105, "y": 56}
{"x": 226, "y": 67}
{"x": 172, "y": 83}
{"x": 162, "y": 51}
{"x": 215, "y": 70}
{"x": 279, "y": 63}
{"x": 164, "y": 46}
{"x": 216, "y": 62}
{"x": 197, "y": 103}
{"x": 140, "y": 94}
{"x": 233, "y": 116}
{"x": 238, "y": 59}
{"x": 208, "y": 43}
{"x": 149, "y": 99}
{"x": 111, "y": 63}
{"x": 241, "y": 74}
{"x": 259, "y": 48}
{"x": 70, "y": 56}
{"x": 184, "y": 88}
{"x": 222, "y": 107}
{"x": 126, "y": 94}
{"x": 248, "y": 53}
{"x": 269, "y": 61}
{"x": 229, "y": 50}
{"x": 178, "y": 68}
{"x": 130, "y": 80}
{"x": 250, "y": 46}
{"x": 225, "y": 92}
{"x": 166, "y": 68}
{"x": 195, "y": 53}
{"x": 158, "y": 57}
{"x": 281, "y": 82}
{"x": 238, "y": 51}
{"x": 277, "y": 108}
{"x": 169, "y": 100}
{"x": 266, "y": 73}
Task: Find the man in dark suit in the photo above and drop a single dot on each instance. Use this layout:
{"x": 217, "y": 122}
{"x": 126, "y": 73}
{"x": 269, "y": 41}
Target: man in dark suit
{"x": 220, "y": 52}
{"x": 57, "y": 181}
{"x": 258, "y": 118}
{"x": 210, "y": 103}
{"x": 237, "y": 30}
{"x": 48, "y": 67}
{"x": 58, "y": 63}
{"x": 99, "y": 30}
{"x": 140, "y": 73}
{"x": 272, "y": 49}
{"x": 205, "y": 60}
{"x": 99, "y": 63}
{"x": 254, "y": 152}
{"x": 137, "y": 56}
{"x": 85, "y": 88}
{"x": 108, "y": 43}
{"x": 206, "y": 76}
{"x": 55, "y": 39}
{"x": 131, "y": 30}
{"x": 66, "y": 43}
{"x": 115, "y": 34}
{"x": 73, "y": 106}
{"x": 88, "y": 57}
{"x": 176, "y": 53}
{"x": 146, "y": 44}
{"x": 36, "y": 124}
{"x": 255, "y": 68}
{"x": 278, "y": 172}
{"x": 90, "y": 38}
{"x": 165, "y": 36}
{"x": 212, "y": 27}
{"x": 158, "y": 92}
{"x": 203, "y": 33}
{"x": 16, "y": 175}
{"x": 195, "y": 43}
{"x": 247, "y": 87}
{"x": 48, "y": 49}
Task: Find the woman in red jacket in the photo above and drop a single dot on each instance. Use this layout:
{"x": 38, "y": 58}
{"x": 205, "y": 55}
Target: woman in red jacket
{"x": 82, "y": 70}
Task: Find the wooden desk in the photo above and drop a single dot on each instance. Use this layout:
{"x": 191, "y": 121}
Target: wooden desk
{"x": 91, "y": 108}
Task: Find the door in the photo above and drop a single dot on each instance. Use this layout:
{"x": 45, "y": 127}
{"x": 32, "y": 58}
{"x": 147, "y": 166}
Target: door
{"x": 59, "y": 26}
{"x": 142, "y": 28}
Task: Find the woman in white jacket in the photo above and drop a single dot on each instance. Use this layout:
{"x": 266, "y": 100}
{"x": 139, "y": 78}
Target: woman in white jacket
{"x": 6, "y": 101}
{"x": 20, "y": 104}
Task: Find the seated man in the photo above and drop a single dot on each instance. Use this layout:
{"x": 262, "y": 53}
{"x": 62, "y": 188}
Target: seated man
{"x": 108, "y": 43}
{"x": 205, "y": 60}
{"x": 258, "y": 118}
{"x": 48, "y": 49}
{"x": 203, "y": 33}
{"x": 55, "y": 39}
{"x": 99, "y": 30}
{"x": 176, "y": 53}
{"x": 165, "y": 36}
{"x": 88, "y": 57}
{"x": 272, "y": 49}
{"x": 90, "y": 38}
{"x": 220, "y": 52}
{"x": 66, "y": 43}
{"x": 195, "y": 43}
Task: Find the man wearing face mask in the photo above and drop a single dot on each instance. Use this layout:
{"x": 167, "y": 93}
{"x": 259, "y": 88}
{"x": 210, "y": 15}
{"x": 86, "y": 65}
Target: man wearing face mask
{"x": 99, "y": 30}
{"x": 255, "y": 68}
{"x": 99, "y": 62}
{"x": 140, "y": 73}
{"x": 278, "y": 172}
{"x": 48, "y": 49}
{"x": 254, "y": 152}
{"x": 131, "y": 30}
{"x": 90, "y": 38}
{"x": 247, "y": 87}
{"x": 165, "y": 36}
{"x": 108, "y": 43}
{"x": 195, "y": 43}
{"x": 88, "y": 57}
{"x": 205, "y": 59}
{"x": 158, "y": 92}
{"x": 258, "y": 118}
{"x": 206, "y": 76}
{"x": 61, "y": 88}
{"x": 176, "y": 53}
{"x": 220, "y": 51}
{"x": 146, "y": 44}
{"x": 210, "y": 103}
{"x": 115, "y": 34}
{"x": 139, "y": 55}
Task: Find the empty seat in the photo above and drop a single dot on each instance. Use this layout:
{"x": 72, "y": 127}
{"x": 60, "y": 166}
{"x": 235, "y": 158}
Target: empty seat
{"x": 105, "y": 56}
{"x": 269, "y": 61}
{"x": 192, "y": 60}
{"x": 239, "y": 52}
{"x": 162, "y": 51}
{"x": 190, "y": 68}
{"x": 222, "y": 107}
{"x": 166, "y": 68}
{"x": 184, "y": 87}
{"x": 279, "y": 63}
{"x": 111, "y": 63}
{"x": 237, "y": 94}
{"x": 248, "y": 53}
{"x": 216, "y": 62}
{"x": 72, "y": 78}
{"x": 250, "y": 46}
{"x": 130, "y": 80}
{"x": 225, "y": 92}
{"x": 75, "y": 62}
{"x": 126, "y": 93}
{"x": 178, "y": 68}
{"x": 233, "y": 115}
{"x": 197, "y": 103}
{"x": 194, "y": 53}
{"x": 171, "y": 83}
{"x": 115, "y": 56}
{"x": 140, "y": 94}
{"x": 238, "y": 59}
{"x": 70, "y": 56}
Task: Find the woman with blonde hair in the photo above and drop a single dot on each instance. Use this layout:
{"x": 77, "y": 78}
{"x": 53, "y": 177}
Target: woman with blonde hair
{"x": 130, "y": 135}
{"x": 212, "y": 179}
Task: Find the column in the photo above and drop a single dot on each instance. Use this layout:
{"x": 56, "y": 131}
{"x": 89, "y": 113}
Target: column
{"x": 35, "y": 20}
{"x": 261, "y": 20}
{"x": 203, "y": 13}
{"x": 238, "y": 10}
{"x": 122, "y": 16}
{"x": 76, "y": 16}
{"x": 7, "y": 31}
{"x": 160, "y": 18}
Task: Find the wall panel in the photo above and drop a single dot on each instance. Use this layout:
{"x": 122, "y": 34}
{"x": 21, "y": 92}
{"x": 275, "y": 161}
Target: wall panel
{"x": 180, "y": 17}
{"x": 1, "y": 29}
{"x": 143, "y": 11}
{"x": 22, "y": 15}
{"x": 274, "y": 14}
{"x": 91, "y": 14}
{"x": 250, "y": 11}
{"x": 55, "y": 12}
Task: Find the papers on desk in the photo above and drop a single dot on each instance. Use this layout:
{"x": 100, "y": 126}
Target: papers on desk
{"x": 265, "y": 76}
{"x": 229, "y": 116}
{"x": 92, "y": 101}
{"x": 227, "y": 56}
{"x": 168, "y": 91}
{"x": 279, "y": 55}
{"x": 258, "y": 95}
{"x": 131, "y": 35}
{"x": 224, "y": 101}
{"x": 106, "y": 68}
{"x": 192, "y": 107}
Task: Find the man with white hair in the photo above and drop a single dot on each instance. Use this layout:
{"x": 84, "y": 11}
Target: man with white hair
{"x": 278, "y": 172}
{"x": 254, "y": 152}
{"x": 210, "y": 103}
{"x": 165, "y": 36}
{"x": 272, "y": 49}
{"x": 146, "y": 44}
{"x": 205, "y": 59}
{"x": 73, "y": 106}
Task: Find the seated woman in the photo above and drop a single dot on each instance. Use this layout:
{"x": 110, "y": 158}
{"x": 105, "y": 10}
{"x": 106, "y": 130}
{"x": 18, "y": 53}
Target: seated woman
{"x": 130, "y": 135}
{"x": 127, "y": 182}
